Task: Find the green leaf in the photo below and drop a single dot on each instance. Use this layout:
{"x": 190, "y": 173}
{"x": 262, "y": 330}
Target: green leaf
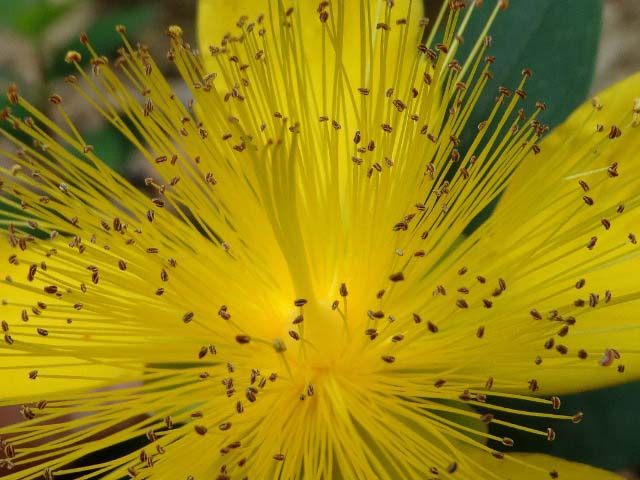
{"x": 607, "y": 437}
{"x": 103, "y": 36}
{"x": 111, "y": 147}
{"x": 32, "y": 17}
{"x": 557, "y": 40}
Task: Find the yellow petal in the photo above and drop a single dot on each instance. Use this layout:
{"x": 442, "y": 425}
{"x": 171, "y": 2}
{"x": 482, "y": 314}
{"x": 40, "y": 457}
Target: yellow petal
{"x": 534, "y": 466}
{"x": 563, "y": 238}
{"x": 28, "y": 369}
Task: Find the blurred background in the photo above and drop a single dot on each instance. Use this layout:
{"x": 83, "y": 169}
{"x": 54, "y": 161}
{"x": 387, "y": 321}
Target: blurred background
{"x": 35, "y": 34}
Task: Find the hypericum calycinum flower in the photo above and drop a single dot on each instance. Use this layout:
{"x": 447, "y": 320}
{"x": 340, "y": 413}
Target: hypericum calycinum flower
{"x": 301, "y": 296}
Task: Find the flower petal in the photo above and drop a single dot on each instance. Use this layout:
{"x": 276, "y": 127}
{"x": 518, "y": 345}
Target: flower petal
{"x": 563, "y": 239}
{"x": 23, "y": 345}
{"x": 525, "y": 466}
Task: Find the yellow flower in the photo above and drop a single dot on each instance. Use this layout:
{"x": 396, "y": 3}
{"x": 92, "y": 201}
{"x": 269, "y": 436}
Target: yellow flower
{"x": 301, "y": 296}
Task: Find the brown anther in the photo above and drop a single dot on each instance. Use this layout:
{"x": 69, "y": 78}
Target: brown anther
{"x": 620, "y": 368}
{"x": 582, "y": 354}
{"x": 508, "y": 442}
{"x": 577, "y": 418}
{"x": 487, "y": 303}
{"x": 535, "y": 314}
{"x": 433, "y": 328}
{"x": 396, "y": 277}
{"x": 388, "y": 358}
{"x": 224, "y": 426}
{"x": 608, "y": 357}
{"x": 615, "y": 132}
{"x": 462, "y": 303}
{"x": 55, "y": 99}
{"x": 200, "y": 429}
{"x": 607, "y": 296}
{"x": 486, "y": 418}
{"x": 293, "y": 334}
{"x": 521, "y": 93}
{"x": 551, "y": 434}
{"x": 279, "y": 457}
{"x": 243, "y": 339}
{"x": 549, "y": 344}
{"x": 533, "y": 385}
{"x": 12, "y": 94}
{"x": 588, "y": 200}
{"x": 580, "y": 283}
{"x": 592, "y": 243}
{"x": 439, "y": 383}
{"x": 480, "y": 332}
{"x": 555, "y": 402}
{"x": 453, "y": 466}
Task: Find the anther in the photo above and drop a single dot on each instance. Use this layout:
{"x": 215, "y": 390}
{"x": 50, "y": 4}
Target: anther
{"x": 486, "y": 418}
{"x": 295, "y": 335}
{"x": 615, "y": 132}
{"x": 200, "y": 429}
{"x": 551, "y": 434}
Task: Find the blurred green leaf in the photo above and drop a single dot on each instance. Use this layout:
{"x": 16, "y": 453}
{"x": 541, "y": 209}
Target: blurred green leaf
{"x": 112, "y": 148}
{"x": 32, "y": 17}
{"x": 102, "y": 33}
